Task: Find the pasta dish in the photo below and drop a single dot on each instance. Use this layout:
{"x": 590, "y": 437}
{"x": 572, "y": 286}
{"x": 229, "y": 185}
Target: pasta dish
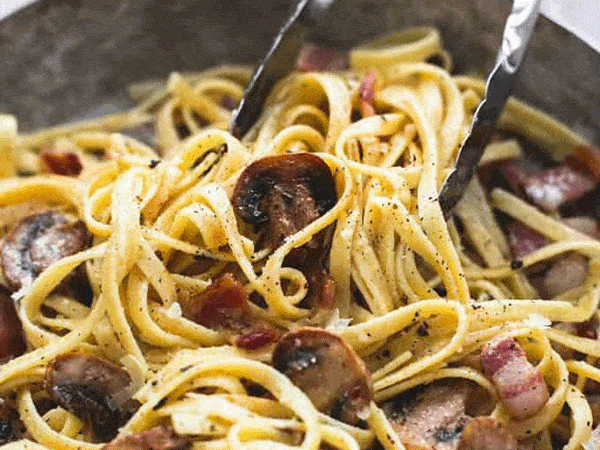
{"x": 165, "y": 285}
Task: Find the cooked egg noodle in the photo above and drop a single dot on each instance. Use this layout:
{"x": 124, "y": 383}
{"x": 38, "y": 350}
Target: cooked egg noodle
{"x": 411, "y": 286}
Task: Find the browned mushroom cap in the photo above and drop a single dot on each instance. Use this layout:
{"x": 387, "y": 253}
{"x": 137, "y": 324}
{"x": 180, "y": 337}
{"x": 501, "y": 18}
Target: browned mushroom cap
{"x": 37, "y": 242}
{"x": 327, "y": 370}
{"x": 6, "y": 432}
{"x": 285, "y": 193}
{"x": 11, "y": 426}
{"x": 12, "y": 338}
{"x": 486, "y": 433}
{"x": 157, "y": 438}
{"x": 85, "y": 385}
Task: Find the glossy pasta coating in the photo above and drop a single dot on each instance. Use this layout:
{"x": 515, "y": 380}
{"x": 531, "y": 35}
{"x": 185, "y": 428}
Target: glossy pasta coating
{"x": 191, "y": 281}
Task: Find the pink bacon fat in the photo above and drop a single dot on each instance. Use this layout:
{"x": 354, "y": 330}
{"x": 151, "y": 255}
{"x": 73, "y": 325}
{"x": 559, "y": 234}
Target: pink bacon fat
{"x": 366, "y": 94}
{"x": 521, "y": 386}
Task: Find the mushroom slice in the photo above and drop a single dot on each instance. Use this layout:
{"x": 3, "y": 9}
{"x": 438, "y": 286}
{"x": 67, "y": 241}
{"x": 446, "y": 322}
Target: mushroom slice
{"x": 11, "y": 427}
{"x": 327, "y": 370}
{"x": 37, "y": 242}
{"x": 87, "y": 386}
{"x": 486, "y": 433}
{"x": 157, "y": 438}
{"x": 431, "y": 417}
{"x": 6, "y": 432}
{"x": 286, "y": 193}
{"x": 12, "y": 337}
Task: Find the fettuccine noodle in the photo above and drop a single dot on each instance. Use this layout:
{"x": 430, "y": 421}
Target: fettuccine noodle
{"x": 164, "y": 227}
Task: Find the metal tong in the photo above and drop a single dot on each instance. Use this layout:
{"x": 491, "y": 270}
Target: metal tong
{"x": 517, "y": 32}
{"x": 281, "y": 59}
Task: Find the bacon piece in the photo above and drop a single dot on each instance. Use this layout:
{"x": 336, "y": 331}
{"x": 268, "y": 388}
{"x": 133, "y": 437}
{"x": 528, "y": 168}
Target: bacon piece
{"x": 524, "y": 240}
{"x": 228, "y": 103}
{"x": 255, "y": 339}
{"x": 585, "y": 329}
{"x": 321, "y": 290}
{"x": 521, "y": 386}
{"x": 548, "y": 188}
{"x": 61, "y": 162}
{"x": 514, "y": 174}
{"x": 320, "y": 59}
{"x": 366, "y": 94}
{"x": 224, "y": 306}
{"x": 12, "y": 337}
{"x": 157, "y": 438}
{"x": 221, "y": 306}
{"x": 586, "y": 158}
{"x": 554, "y": 186}
{"x": 561, "y": 273}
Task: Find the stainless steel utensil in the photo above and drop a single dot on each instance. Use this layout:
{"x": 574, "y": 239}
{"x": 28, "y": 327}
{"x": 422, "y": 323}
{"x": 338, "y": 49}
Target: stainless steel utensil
{"x": 517, "y": 32}
{"x": 279, "y": 61}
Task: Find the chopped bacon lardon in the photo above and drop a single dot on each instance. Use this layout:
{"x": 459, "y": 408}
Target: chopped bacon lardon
{"x": 319, "y": 59}
{"x": 321, "y": 291}
{"x": 549, "y": 188}
{"x": 224, "y": 306}
{"x": 554, "y": 186}
{"x": 521, "y": 386}
{"x": 12, "y": 335}
{"x": 514, "y": 174}
{"x": 586, "y": 157}
{"x": 366, "y": 93}
{"x": 61, "y": 162}
{"x": 228, "y": 103}
{"x": 255, "y": 339}
{"x": 524, "y": 240}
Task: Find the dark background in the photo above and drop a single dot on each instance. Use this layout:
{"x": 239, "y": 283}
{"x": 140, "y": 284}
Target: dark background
{"x": 65, "y": 59}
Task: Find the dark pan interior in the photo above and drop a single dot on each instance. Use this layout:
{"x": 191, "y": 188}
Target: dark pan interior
{"x": 65, "y": 59}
